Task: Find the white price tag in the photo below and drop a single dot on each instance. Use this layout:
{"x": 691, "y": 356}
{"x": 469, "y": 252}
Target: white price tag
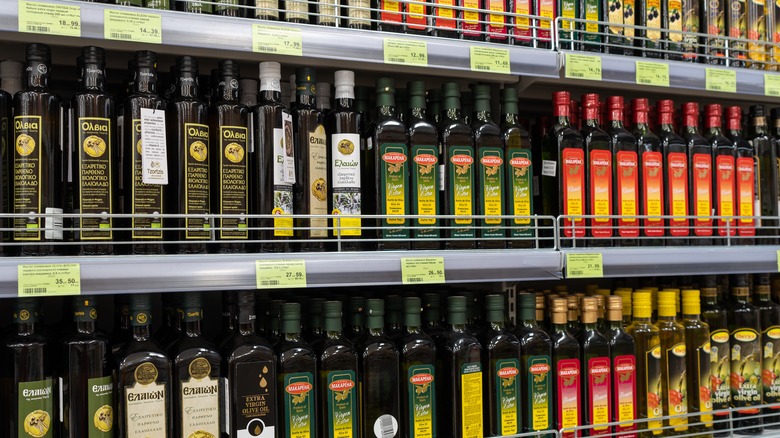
{"x": 549, "y": 168}
{"x": 153, "y": 147}
{"x": 289, "y": 149}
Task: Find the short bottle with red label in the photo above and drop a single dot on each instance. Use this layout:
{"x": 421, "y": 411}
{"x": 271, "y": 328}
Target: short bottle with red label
{"x": 596, "y": 371}
{"x": 598, "y": 147}
{"x": 651, "y": 175}
{"x": 745, "y": 199}
{"x": 566, "y": 363}
{"x": 675, "y": 175}
{"x": 724, "y": 154}
{"x": 622, "y": 351}
{"x": 700, "y": 171}
{"x": 625, "y": 172}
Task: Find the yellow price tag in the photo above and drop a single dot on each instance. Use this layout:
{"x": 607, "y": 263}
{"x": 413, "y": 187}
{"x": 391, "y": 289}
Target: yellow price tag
{"x": 49, "y": 279}
{"x": 772, "y": 85}
{"x": 652, "y": 73}
{"x": 422, "y": 270}
{"x": 277, "y": 40}
{"x": 406, "y": 52}
{"x": 583, "y": 67}
{"x": 49, "y": 19}
{"x": 584, "y": 265}
{"x": 132, "y": 26}
{"x": 278, "y": 274}
{"x": 491, "y": 60}
{"x": 719, "y": 79}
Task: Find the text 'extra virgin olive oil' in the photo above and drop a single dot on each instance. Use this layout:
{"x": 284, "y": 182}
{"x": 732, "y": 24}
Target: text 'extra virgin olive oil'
{"x": 597, "y": 371}
{"x": 648, "y": 359}
{"x": 519, "y": 172}
{"x": 622, "y": 351}
{"x": 566, "y": 363}
{"x": 720, "y": 369}
{"x": 501, "y": 354}
{"x": 491, "y": 166}
{"x": 698, "y": 361}
{"x": 297, "y": 374}
{"x": 418, "y": 375}
{"x": 674, "y": 384}
{"x": 770, "y": 344}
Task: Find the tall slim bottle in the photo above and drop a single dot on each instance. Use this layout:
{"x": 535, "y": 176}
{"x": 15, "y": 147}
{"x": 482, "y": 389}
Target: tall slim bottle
{"x": 770, "y": 344}
{"x": 675, "y": 394}
{"x": 622, "y": 353}
{"x": 598, "y": 146}
{"x": 189, "y": 163}
{"x": 746, "y": 184}
{"x": 724, "y": 159}
{"x": 766, "y": 171}
{"x": 675, "y": 175}
{"x": 700, "y": 170}
{"x": 596, "y": 367}
{"x": 648, "y": 362}
{"x": 491, "y": 167}
{"x": 297, "y": 374}
{"x": 625, "y": 174}
{"x": 432, "y": 321}
{"x": 535, "y": 367}
{"x": 566, "y": 363}
{"x": 6, "y": 108}
{"x": 37, "y": 158}
{"x": 651, "y": 162}
{"x": 229, "y": 127}
{"x": 698, "y": 362}
{"x": 418, "y": 375}
{"x": 720, "y": 368}
{"x": 519, "y": 172}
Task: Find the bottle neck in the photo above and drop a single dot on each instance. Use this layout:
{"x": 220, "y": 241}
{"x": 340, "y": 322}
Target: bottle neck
{"x": 642, "y": 320}
{"x": 93, "y": 77}
{"x": 187, "y": 86}
{"x": 246, "y": 319}
{"x": 292, "y": 336}
{"x": 482, "y": 116}
{"x": 192, "y": 328}
{"x": 510, "y": 119}
{"x": 640, "y": 118}
{"x": 616, "y": 118}
{"x": 25, "y": 328}
{"x": 345, "y": 104}
{"x": 497, "y": 325}
{"x": 85, "y": 327}
{"x": 227, "y": 89}
{"x": 667, "y": 318}
{"x": 145, "y": 81}
{"x": 37, "y": 77}
{"x": 385, "y": 111}
{"x": 615, "y": 325}
{"x": 691, "y": 123}
{"x": 141, "y": 332}
{"x": 691, "y": 316}
{"x": 417, "y": 113}
{"x": 413, "y": 329}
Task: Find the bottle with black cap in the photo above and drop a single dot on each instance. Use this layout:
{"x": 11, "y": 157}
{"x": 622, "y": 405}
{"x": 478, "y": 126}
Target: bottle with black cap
{"x": 767, "y": 172}
{"x": 746, "y": 185}
{"x": 196, "y": 372}
{"x": 418, "y": 374}
{"x": 95, "y": 158}
{"x": 297, "y": 377}
{"x": 87, "y": 382}
{"x": 432, "y": 321}
{"x": 229, "y": 127}
{"x": 770, "y": 345}
{"x": 37, "y": 146}
{"x": 143, "y": 378}
{"x": 535, "y": 367}
{"x": 189, "y": 163}
{"x": 311, "y": 171}
{"x": 519, "y": 171}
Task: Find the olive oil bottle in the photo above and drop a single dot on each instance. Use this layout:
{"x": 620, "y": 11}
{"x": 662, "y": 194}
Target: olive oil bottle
{"x": 745, "y": 175}
{"x": 313, "y": 329}
{"x": 675, "y": 175}
{"x": 770, "y": 344}
{"x": 598, "y": 147}
{"x": 297, "y": 374}
{"x": 766, "y": 170}
{"x": 357, "y": 310}
{"x": 432, "y": 321}
{"x": 698, "y": 362}
{"x": 418, "y": 375}
{"x": 573, "y": 324}
{"x": 648, "y": 360}
{"x": 566, "y": 363}
{"x": 625, "y": 173}
{"x": 700, "y": 175}
{"x": 519, "y": 172}
{"x": 535, "y": 367}
{"x": 622, "y": 351}
{"x": 651, "y": 182}
{"x": 715, "y": 316}
{"x": 724, "y": 155}
{"x": 596, "y": 367}
{"x": 673, "y": 362}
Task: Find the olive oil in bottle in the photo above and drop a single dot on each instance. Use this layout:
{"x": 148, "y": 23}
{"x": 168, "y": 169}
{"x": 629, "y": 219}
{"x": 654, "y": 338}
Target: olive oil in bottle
{"x": 418, "y": 375}
{"x": 535, "y": 367}
{"x": 648, "y": 360}
{"x": 698, "y": 362}
{"x": 598, "y": 146}
{"x": 651, "y": 182}
{"x": 596, "y": 367}
{"x": 766, "y": 171}
{"x": 297, "y": 373}
{"x": 519, "y": 172}
{"x": 673, "y": 361}
{"x": 770, "y": 344}
{"x": 490, "y": 187}
{"x": 724, "y": 154}
{"x": 745, "y": 174}
{"x": 502, "y": 354}
{"x": 700, "y": 175}
{"x": 625, "y": 174}
{"x": 566, "y": 363}
{"x": 715, "y": 316}
{"x": 675, "y": 175}
{"x": 622, "y": 351}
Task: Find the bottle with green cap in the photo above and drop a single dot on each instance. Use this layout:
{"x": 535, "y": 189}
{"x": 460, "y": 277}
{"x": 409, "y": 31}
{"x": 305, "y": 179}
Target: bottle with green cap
{"x": 474, "y": 321}
{"x": 249, "y": 370}
{"x": 433, "y": 99}
{"x": 196, "y": 372}
{"x": 87, "y": 382}
{"x": 648, "y": 363}
{"x": 172, "y": 313}
{"x": 311, "y": 163}
{"x": 313, "y": 325}
{"x": 716, "y": 317}
{"x": 501, "y": 354}
{"x": 379, "y": 374}
{"x": 337, "y": 387}
{"x": 457, "y": 144}
{"x": 770, "y": 343}
{"x": 460, "y": 407}
{"x": 698, "y": 362}
{"x": 387, "y": 144}
{"x": 297, "y": 374}
{"x": 425, "y": 169}
{"x": 401, "y": 103}
{"x": 566, "y": 363}
{"x": 519, "y": 172}
{"x": 143, "y": 378}
{"x": 622, "y": 354}
{"x": 418, "y": 375}
{"x": 746, "y": 357}
{"x": 432, "y": 321}
{"x": 674, "y": 385}
{"x": 596, "y": 372}
{"x": 357, "y": 311}
{"x": 535, "y": 367}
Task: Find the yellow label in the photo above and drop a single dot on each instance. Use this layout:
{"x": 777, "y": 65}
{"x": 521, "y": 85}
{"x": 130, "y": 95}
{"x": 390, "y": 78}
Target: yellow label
{"x": 277, "y": 40}
{"x": 391, "y": 6}
{"x": 346, "y": 226}
{"x": 488, "y": 59}
{"x": 49, "y": 19}
{"x": 718, "y": 79}
{"x": 584, "y": 265}
{"x": 772, "y": 85}
{"x": 132, "y": 26}
{"x": 49, "y": 279}
{"x": 583, "y": 67}
{"x": 276, "y": 274}
{"x": 283, "y": 226}
{"x": 471, "y": 401}
{"x": 416, "y": 11}
{"x": 652, "y": 73}
{"x": 406, "y": 52}
{"x": 422, "y": 270}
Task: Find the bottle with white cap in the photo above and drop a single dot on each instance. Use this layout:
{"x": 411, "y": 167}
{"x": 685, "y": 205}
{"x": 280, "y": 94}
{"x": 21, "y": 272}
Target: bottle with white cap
{"x": 344, "y": 161}
{"x": 11, "y": 77}
{"x": 323, "y": 97}
{"x": 272, "y": 166}
{"x": 247, "y": 92}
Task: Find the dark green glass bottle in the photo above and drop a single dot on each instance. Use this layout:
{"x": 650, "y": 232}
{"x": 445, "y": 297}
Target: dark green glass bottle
{"x": 598, "y": 147}
{"x": 519, "y": 172}
{"x": 313, "y": 326}
{"x": 716, "y": 317}
{"x": 490, "y": 162}
{"x": 357, "y": 319}
{"x": 418, "y": 375}
{"x": 766, "y": 171}
{"x": 535, "y": 367}
{"x": 425, "y": 178}
{"x": 121, "y": 333}
{"x": 597, "y": 369}
{"x": 566, "y": 363}
{"x": 171, "y": 328}
{"x": 770, "y": 344}
{"x": 297, "y": 374}
{"x": 229, "y": 318}
{"x": 432, "y": 322}
{"x": 394, "y": 316}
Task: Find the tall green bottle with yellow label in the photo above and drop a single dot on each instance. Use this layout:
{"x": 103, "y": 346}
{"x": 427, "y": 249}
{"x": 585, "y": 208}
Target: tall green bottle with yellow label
{"x": 674, "y": 393}
{"x": 535, "y": 367}
{"x": 418, "y": 368}
{"x": 648, "y": 362}
{"x": 502, "y": 380}
{"x": 698, "y": 362}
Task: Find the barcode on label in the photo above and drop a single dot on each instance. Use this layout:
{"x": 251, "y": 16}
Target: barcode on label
{"x": 415, "y": 280}
{"x": 269, "y": 282}
{"x": 645, "y": 81}
{"x": 267, "y": 49}
{"x": 121, "y": 36}
{"x": 386, "y": 426}
{"x": 481, "y": 67}
{"x": 35, "y": 290}
{"x": 576, "y": 272}
{"x": 576, "y": 75}
{"x": 394, "y": 59}
{"x": 38, "y": 28}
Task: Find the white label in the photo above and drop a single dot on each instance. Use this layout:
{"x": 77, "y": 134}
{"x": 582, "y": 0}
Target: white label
{"x": 145, "y": 415}
{"x": 225, "y": 403}
{"x": 153, "y": 149}
{"x": 386, "y": 426}
{"x": 62, "y": 403}
{"x": 549, "y": 168}
{"x": 200, "y": 407}
{"x": 345, "y": 165}
{"x": 288, "y": 148}
{"x": 53, "y": 224}
{"x": 442, "y": 177}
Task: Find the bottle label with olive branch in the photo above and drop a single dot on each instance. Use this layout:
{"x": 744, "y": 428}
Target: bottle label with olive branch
{"x": 745, "y": 369}
{"x": 345, "y": 170}
{"x": 425, "y": 188}
{"x": 539, "y": 405}
{"x": 520, "y": 190}
{"x": 342, "y": 419}
{"x": 491, "y": 178}
{"x": 422, "y": 406}
{"x": 720, "y": 369}
{"x": 394, "y": 189}
{"x": 600, "y": 168}
{"x": 507, "y": 384}
{"x": 770, "y": 374}
{"x": 460, "y": 183}
{"x": 599, "y": 394}
{"x": 676, "y": 386}
{"x": 569, "y": 395}
{"x": 299, "y": 401}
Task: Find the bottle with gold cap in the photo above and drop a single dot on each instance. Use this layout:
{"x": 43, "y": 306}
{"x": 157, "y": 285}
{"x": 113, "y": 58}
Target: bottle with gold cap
{"x": 625, "y": 296}
{"x": 715, "y": 316}
{"x": 622, "y": 352}
{"x": 502, "y": 380}
{"x": 673, "y": 366}
{"x": 648, "y": 361}
{"x": 596, "y": 367}
{"x": 573, "y": 324}
{"x": 535, "y": 367}
{"x": 745, "y": 330}
{"x": 601, "y": 322}
{"x": 698, "y": 362}
{"x": 540, "y": 310}
{"x": 566, "y": 363}
{"x": 770, "y": 343}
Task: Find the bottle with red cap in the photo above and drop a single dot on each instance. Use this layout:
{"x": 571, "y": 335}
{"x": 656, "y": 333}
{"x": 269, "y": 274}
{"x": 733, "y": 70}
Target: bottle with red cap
{"x": 700, "y": 175}
{"x": 651, "y": 175}
{"x": 766, "y": 175}
{"x": 745, "y": 201}
{"x": 724, "y": 154}
{"x": 598, "y": 146}
{"x": 563, "y": 169}
{"x": 675, "y": 175}
{"x": 625, "y": 173}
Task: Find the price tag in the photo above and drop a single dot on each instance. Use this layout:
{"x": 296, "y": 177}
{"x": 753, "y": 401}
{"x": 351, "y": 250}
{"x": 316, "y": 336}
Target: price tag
{"x": 488, "y": 59}
{"x": 49, "y": 280}
{"x": 277, "y": 40}
{"x": 584, "y": 265}
{"x": 278, "y": 274}
{"x": 406, "y": 52}
{"x": 772, "y": 85}
{"x": 154, "y": 162}
{"x": 652, "y": 73}
{"x": 718, "y": 79}
{"x": 132, "y": 26}
{"x": 583, "y": 67}
{"x": 49, "y": 19}
{"x": 422, "y": 270}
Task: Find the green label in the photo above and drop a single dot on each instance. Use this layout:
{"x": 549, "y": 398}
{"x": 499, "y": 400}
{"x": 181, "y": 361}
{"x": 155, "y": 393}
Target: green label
{"x": 471, "y": 400}
{"x": 745, "y": 369}
{"x": 720, "y": 369}
{"x": 460, "y": 180}
{"x": 36, "y": 409}
{"x": 539, "y": 409}
{"x": 394, "y": 192}
{"x": 507, "y": 401}
{"x": 491, "y": 178}
{"x": 422, "y": 406}
{"x": 299, "y": 405}
{"x": 100, "y": 401}
{"x": 520, "y": 175}
{"x": 342, "y": 406}
{"x": 425, "y": 192}
{"x": 771, "y": 364}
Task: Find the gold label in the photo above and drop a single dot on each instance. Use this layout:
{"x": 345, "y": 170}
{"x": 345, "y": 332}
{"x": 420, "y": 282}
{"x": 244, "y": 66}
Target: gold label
{"x": 200, "y": 368}
{"x": 146, "y": 373}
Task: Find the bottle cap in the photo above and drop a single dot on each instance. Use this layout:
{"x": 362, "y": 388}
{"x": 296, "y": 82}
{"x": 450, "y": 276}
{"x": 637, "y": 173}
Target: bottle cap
{"x": 589, "y": 310}
{"x": 142, "y": 58}
{"x": 614, "y": 308}
{"x": 494, "y": 302}
{"x": 305, "y": 75}
{"x": 290, "y": 311}
{"x": 561, "y": 98}
{"x": 141, "y": 302}
{"x": 714, "y": 110}
{"x": 691, "y": 109}
{"x": 590, "y": 100}
{"x": 509, "y": 94}
{"x": 667, "y": 303}
{"x": 38, "y": 53}
{"x": 191, "y": 300}
{"x": 84, "y": 308}
{"x": 625, "y": 295}
{"x": 757, "y": 111}
{"x": 734, "y": 112}
{"x": 665, "y": 106}
{"x": 26, "y": 310}
{"x": 344, "y": 78}
{"x": 228, "y": 67}
{"x": 11, "y": 69}
{"x": 187, "y": 64}
{"x": 482, "y": 92}
{"x": 641, "y": 104}
{"x": 356, "y": 304}
{"x": 385, "y": 85}
{"x": 412, "y": 305}
{"x": 416, "y": 88}
{"x": 691, "y": 303}
{"x": 450, "y": 89}
{"x": 376, "y": 312}
{"x": 615, "y": 103}
{"x": 456, "y": 304}
{"x": 331, "y": 309}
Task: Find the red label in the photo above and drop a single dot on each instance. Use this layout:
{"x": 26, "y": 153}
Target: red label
{"x": 600, "y": 174}
{"x": 724, "y": 189}
{"x": 573, "y": 171}
{"x": 702, "y": 193}
{"x": 677, "y": 173}
{"x": 569, "y": 396}
{"x": 627, "y": 192}
{"x": 462, "y": 159}
{"x": 416, "y": 17}
{"x": 299, "y": 388}
{"x": 391, "y": 11}
{"x": 508, "y": 372}
{"x": 624, "y": 395}
{"x": 599, "y": 402}
{"x": 341, "y": 385}
{"x": 394, "y": 157}
{"x": 425, "y": 159}
{"x": 520, "y": 162}
{"x": 653, "y": 186}
{"x": 471, "y": 16}
{"x": 445, "y": 17}
{"x": 541, "y": 368}
{"x": 421, "y": 379}
{"x": 491, "y": 160}
{"x": 496, "y": 26}
{"x": 745, "y": 192}
{"x": 523, "y": 29}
